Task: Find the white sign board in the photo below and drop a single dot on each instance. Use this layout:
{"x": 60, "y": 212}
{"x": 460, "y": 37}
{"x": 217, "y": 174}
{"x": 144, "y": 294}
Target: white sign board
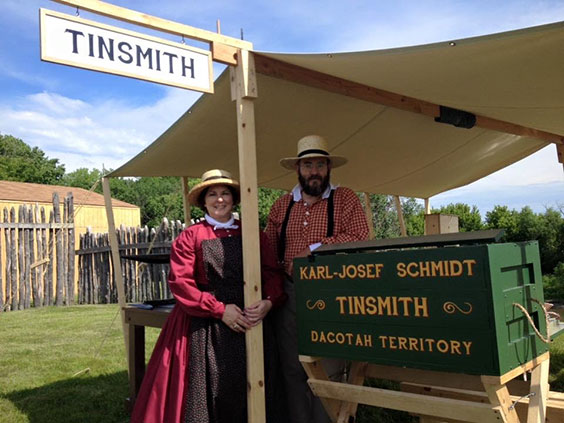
{"x": 74, "y": 41}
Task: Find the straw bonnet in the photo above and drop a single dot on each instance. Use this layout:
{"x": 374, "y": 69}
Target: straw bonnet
{"x": 209, "y": 178}
{"x": 312, "y": 146}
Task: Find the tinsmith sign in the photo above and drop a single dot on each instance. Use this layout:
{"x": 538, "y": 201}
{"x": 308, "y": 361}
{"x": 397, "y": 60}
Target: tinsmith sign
{"x": 74, "y": 41}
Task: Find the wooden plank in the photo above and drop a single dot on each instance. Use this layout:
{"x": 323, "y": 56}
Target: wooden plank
{"x": 356, "y": 377}
{"x": 152, "y": 22}
{"x": 278, "y": 69}
{"x": 58, "y": 251}
{"x": 40, "y": 261}
{"x": 33, "y": 225}
{"x": 455, "y": 238}
{"x": 32, "y": 270}
{"x": 554, "y": 409}
{"x": 8, "y": 248}
{"x": 539, "y": 392}
{"x": 243, "y": 85}
{"x": 64, "y": 254}
{"x": 70, "y": 248}
{"x": 115, "y": 259}
{"x": 51, "y": 265}
{"x": 411, "y": 403}
{"x": 44, "y": 255}
{"x": 21, "y": 262}
{"x": 425, "y": 377}
{"x": 512, "y": 374}
{"x": 14, "y": 261}
{"x": 315, "y": 371}
{"x": 401, "y": 220}
{"x": 2, "y": 287}
{"x": 223, "y": 53}
{"x": 499, "y": 397}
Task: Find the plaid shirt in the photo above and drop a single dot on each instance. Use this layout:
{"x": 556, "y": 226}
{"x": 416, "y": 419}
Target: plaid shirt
{"x": 307, "y": 224}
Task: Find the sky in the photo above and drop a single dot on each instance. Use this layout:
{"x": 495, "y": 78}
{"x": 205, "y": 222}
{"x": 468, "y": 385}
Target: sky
{"x": 93, "y": 120}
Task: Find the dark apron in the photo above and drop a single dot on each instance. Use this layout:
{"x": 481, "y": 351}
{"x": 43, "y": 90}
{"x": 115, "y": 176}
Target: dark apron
{"x": 217, "y": 383}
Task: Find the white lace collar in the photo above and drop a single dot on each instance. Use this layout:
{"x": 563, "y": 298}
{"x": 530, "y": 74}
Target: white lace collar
{"x": 221, "y": 225}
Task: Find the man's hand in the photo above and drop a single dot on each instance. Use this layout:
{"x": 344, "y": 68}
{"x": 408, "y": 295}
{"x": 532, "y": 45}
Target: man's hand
{"x": 257, "y": 311}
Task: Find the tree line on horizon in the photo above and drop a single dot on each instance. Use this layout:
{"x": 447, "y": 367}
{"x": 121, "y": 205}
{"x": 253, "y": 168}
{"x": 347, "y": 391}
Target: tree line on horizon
{"x": 159, "y": 197}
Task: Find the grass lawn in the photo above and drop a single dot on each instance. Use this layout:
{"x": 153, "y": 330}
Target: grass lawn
{"x": 67, "y": 364}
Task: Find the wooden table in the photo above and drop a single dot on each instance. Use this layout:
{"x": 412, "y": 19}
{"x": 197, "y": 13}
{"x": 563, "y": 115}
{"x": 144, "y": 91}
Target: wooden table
{"x": 138, "y": 319}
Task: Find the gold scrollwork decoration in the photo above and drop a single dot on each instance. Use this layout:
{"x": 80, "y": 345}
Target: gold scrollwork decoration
{"x": 450, "y": 308}
{"x": 319, "y": 305}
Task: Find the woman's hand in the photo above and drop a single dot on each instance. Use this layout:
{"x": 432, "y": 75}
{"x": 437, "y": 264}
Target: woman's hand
{"x": 256, "y": 312}
{"x": 234, "y": 318}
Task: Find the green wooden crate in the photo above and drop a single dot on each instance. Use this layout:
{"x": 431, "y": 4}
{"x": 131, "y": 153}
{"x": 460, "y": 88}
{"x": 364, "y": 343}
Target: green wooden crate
{"x": 446, "y": 308}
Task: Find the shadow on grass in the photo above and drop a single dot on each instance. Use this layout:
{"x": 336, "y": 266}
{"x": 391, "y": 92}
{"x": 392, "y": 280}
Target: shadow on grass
{"x": 82, "y": 399}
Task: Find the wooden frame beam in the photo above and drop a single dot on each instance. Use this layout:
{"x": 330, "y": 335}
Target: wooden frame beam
{"x": 278, "y": 69}
{"x": 244, "y": 92}
{"x": 116, "y": 260}
{"x": 152, "y": 22}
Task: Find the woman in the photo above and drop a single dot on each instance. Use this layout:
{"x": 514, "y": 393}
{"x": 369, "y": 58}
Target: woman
{"x": 197, "y": 373}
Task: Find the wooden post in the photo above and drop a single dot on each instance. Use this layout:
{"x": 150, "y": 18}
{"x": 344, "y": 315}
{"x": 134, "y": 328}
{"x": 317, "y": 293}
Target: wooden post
{"x": 244, "y": 91}
{"x": 368, "y": 213}
{"x": 536, "y": 412}
{"x": 560, "y": 153}
{"x": 185, "y": 203}
{"x": 116, "y": 261}
{"x": 58, "y": 249}
{"x": 400, "y": 215}
{"x": 427, "y": 211}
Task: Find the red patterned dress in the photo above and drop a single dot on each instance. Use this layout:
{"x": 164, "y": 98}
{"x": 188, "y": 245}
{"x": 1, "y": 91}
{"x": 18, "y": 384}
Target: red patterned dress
{"x": 197, "y": 372}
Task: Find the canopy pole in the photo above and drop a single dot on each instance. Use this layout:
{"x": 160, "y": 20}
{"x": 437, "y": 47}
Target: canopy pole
{"x": 243, "y": 92}
{"x": 427, "y": 206}
{"x": 400, "y": 215}
{"x": 185, "y": 202}
{"x": 368, "y": 212}
{"x": 116, "y": 262}
{"x": 560, "y": 152}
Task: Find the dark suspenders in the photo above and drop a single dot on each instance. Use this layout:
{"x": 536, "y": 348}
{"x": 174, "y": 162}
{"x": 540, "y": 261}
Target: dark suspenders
{"x": 330, "y": 223}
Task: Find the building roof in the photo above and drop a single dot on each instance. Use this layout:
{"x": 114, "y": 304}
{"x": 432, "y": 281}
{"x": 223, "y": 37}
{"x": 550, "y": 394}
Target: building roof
{"x": 39, "y": 193}
{"x": 378, "y": 109}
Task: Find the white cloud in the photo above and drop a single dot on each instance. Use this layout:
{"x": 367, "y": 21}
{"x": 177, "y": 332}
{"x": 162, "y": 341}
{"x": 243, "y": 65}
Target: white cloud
{"x": 80, "y": 134}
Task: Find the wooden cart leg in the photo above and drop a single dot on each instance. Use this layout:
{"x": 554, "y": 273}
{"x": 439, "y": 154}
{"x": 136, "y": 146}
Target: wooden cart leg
{"x": 499, "y": 396}
{"x": 356, "y": 377}
{"x": 539, "y": 387}
{"x": 314, "y": 370}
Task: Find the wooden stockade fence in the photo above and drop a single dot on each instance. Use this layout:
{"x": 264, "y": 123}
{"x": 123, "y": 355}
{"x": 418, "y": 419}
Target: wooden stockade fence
{"x": 142, "y": 280}
{"x": 37, "y": 255}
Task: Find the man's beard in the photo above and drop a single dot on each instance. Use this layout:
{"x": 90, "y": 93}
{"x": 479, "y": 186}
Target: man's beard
{"x": 317, "y": 189}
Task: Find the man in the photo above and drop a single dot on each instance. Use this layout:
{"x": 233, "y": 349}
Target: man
{"x": 315, "y": 212}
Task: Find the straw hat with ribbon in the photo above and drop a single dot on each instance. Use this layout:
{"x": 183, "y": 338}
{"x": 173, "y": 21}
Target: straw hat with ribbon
{"x": 309, "y": 147}
{"x": 209, "y": 178}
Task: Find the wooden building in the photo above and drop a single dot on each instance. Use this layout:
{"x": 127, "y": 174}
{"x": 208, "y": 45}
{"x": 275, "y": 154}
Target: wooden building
{"x": 26, "y": 211}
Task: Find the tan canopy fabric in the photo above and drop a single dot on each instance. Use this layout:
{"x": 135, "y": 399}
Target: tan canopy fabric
{"x": 515, "y": 77}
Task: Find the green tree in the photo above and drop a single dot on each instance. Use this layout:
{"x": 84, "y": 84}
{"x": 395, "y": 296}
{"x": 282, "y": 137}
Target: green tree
{"x": 414, "y": 216}
{"x": 546, "y": 228}
{"x": 502, "y": 218}
{"x": 19, "y": 162}
{"x": 266, "y": 198}
{"x": 469, "y": 218}
{"x": 84, "y": 178}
